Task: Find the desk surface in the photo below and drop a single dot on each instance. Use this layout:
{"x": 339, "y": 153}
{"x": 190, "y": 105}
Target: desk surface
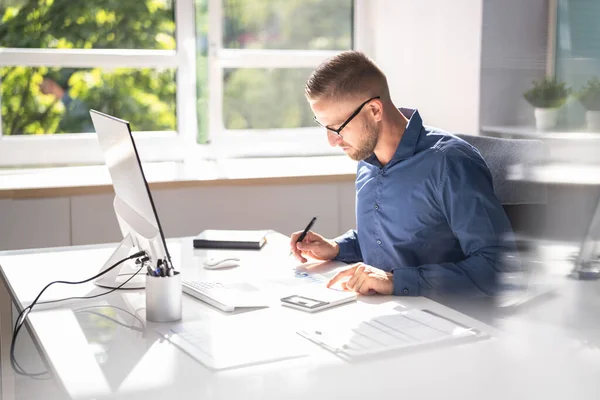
{"x": 540, "y": 352}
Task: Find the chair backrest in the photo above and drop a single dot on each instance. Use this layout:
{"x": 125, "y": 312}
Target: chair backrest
{"x": 524, "y": 202}
{"x": 502, "y": 154}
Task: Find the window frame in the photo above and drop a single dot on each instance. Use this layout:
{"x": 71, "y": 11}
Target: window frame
{"x": 268, "y": 142}
{"x": 82, "y": 148}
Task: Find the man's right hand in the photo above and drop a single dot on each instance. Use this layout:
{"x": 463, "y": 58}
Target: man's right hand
{"x": 314, "y": 246}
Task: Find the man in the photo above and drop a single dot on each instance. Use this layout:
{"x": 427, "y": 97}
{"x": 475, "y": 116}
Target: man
{"x": 76, "y": 117}
{"x": 428, "y": 221}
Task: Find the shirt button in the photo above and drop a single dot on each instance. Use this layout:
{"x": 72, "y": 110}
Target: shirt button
{"x": 405, "y": 291}
{"x": 376, "y": 207}
{"x": 379, "y": 242}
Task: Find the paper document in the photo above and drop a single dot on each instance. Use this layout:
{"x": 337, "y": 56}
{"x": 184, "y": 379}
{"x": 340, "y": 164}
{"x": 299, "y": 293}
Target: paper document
{"x": 394, "y": 330}
{"x": 297, "y": 279}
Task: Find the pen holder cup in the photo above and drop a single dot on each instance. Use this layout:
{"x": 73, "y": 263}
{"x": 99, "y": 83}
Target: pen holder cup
{"x": 163, "y": 298}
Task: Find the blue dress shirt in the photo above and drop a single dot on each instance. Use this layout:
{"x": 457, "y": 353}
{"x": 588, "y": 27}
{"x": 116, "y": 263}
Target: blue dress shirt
{"x": 429, "y": 216}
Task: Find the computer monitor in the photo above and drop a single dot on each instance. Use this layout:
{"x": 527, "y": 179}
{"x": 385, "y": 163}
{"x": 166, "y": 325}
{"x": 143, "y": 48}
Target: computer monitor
{"x": 133, "y": 204}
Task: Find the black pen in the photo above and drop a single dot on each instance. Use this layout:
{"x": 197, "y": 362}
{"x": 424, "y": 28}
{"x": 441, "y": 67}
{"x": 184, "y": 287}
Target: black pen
{"x": 303, "y": 234}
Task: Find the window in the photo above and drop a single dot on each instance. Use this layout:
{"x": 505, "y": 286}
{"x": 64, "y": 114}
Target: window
{"x": 514, "y": 53}
{"x": 524, "y": 42}
{"x": 59, "y": 58}
{"x": 181, "y": 71}
{"x": 260, "y": 53}
{"x": 42, "y": 100}
{"x": 577, "y": 60}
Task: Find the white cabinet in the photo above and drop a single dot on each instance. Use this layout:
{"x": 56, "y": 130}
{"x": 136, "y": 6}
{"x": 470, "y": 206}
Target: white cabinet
{"x": 187, "y": 211}
{"x": 34, "y": 223}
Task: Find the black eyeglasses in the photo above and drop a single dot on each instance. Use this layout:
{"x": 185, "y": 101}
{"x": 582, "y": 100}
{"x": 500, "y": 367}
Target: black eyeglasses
{"x": 354, "y": 114}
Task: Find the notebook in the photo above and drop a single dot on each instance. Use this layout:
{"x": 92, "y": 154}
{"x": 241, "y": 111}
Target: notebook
{"x": 230, "y": 239}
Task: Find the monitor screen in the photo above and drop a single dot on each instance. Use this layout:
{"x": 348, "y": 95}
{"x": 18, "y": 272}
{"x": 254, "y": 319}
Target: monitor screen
{"x": 133, "y": 204}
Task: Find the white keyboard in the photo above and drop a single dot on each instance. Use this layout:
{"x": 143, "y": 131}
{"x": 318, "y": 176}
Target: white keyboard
{"x": 386, "y": 333}
{"x": 225, "y": 297}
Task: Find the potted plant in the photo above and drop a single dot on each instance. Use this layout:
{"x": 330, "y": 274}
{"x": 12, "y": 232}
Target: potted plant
{"x": 547, "y": 96}
{"x": 589, "y": 97}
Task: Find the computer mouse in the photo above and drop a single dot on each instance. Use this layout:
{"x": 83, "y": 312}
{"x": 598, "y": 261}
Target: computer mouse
{"x": 217, "y": 263}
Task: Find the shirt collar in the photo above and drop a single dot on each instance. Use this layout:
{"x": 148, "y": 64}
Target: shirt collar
{"x": 408, "y": 144}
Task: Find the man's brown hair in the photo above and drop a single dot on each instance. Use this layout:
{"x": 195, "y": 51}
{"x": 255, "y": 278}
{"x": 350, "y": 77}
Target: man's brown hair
{"x": 347, "y": 75}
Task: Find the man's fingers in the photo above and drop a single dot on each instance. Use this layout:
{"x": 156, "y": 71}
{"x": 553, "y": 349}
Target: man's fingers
{"x": 293, "y": 248}
{"x": 312, "y": 237}
{"x": 297, "y": 253}
{"x": 365, "y": 285}
{"x": 364, "y": 279}
{"x": 360, "y": 269}
{"x": 361, "y": 283}
{"x": 340, "y": 275}
{"x": 293, "y": 238}
{"x": 308, "y": 246}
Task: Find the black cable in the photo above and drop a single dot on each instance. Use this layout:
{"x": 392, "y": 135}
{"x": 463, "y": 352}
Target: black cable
{"x": 136, "y": 255}
{"x": 18, "y": 326}
{"x": 94, "y": 277}
{"x": 23, "y": 314}
{"x": 91, "y": 297}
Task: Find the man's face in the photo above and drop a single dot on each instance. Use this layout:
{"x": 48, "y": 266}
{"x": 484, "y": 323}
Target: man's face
{"x": 48, "y": 86}
{"x": 359, "y": 137}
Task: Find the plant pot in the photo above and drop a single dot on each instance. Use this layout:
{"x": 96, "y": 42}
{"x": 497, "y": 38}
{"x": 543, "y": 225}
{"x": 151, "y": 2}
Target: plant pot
{"x": 592, "y": 120}
{"x": 546, "y": 118}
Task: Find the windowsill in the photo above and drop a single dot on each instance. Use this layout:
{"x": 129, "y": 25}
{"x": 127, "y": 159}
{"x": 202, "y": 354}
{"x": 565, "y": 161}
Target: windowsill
{"x": 555, "y": 173}
{"x": 85, "y": 180}
{"x": 530, "y": 132}
{"x": 577, "y": 147}
{"x": 40, "y": 151}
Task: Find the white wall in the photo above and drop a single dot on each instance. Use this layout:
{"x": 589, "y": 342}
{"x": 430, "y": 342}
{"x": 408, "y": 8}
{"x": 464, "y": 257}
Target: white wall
{"x": 430, "y": 51}
{"x": 35, "y": 223}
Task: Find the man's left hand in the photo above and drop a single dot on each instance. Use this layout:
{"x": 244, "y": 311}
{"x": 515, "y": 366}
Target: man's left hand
{"x": 365, "y": 279}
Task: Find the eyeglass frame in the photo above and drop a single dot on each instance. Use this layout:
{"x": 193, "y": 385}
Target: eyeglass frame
{"x": 350, "y": 118}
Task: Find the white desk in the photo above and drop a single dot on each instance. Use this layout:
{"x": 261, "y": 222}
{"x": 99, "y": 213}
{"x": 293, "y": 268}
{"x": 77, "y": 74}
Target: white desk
{"x": 537, "y": 356}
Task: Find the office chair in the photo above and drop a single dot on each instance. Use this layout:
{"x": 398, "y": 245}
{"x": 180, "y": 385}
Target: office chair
{"x": 525, "y": 205}
{"x": 524, "y": 202}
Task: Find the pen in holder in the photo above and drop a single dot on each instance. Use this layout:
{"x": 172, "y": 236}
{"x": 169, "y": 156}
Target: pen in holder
{"x": 163, "y": 298}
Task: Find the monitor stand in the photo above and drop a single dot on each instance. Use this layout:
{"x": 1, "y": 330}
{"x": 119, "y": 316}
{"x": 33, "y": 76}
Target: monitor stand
{"x": 587, "y": 262}
{"x": 120, "y": 274}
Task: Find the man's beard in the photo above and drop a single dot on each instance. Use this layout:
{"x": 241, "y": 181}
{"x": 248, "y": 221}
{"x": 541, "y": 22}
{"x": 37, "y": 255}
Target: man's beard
{"x": 367, "y": 144}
